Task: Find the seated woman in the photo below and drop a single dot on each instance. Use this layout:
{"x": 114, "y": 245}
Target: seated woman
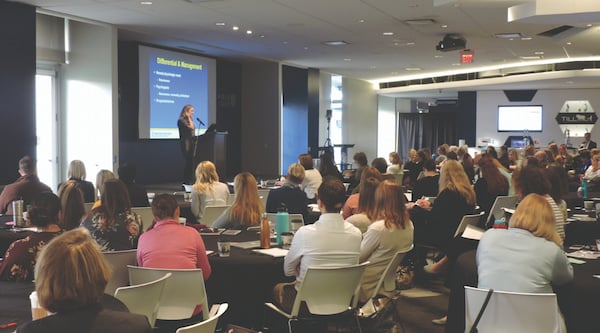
{"x": 156, "y": 247}
{"x": 20, "y": 258}
{"x": 366, "y": 205}
{"x": 102, "y": 176}
{"x": 351, "y": 204}
{"x": 112, "y": 224}
{"x": 395, "y": 168}
{"x": 540, "y": 264}
{"x": 490, "y": 185}
{"x": 289, "y": 195}
{"x": 391, "y": 232}
{"x": 312, "y": 177}
{"x": 246, "y": 209}
{"x": 428, "y": 185}
{"x": 327, "y": 167}
{"x": 71, "y": 202}
{"x": 74, "y": 292}
{"x": 76, "y": 173}
{"x": 207, "y": 190}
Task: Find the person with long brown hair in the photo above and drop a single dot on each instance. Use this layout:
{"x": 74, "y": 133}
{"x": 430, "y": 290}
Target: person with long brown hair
{"x": 366, "y": 205}
{"x": 391, "y": 232}
{"x": 112, "y": 224}
{"x": 351, "y": 204}
{"x": 71, "y": 201}
{"x": 207, "y": 189}
{"x": 186, "y": 126}
{"x": 246, "y": 209}
{"x": 490, "y": 185}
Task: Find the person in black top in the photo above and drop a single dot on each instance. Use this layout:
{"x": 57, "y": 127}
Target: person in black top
{"x": 428, "y": 185}
{"x": 137, "y": 193}
{"x": 76, "y": 172}
{"x": 289, "y": 195}
{"x": 186, "y": 126}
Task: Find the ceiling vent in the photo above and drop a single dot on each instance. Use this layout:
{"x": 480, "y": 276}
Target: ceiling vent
{"x": 564, "y": 31}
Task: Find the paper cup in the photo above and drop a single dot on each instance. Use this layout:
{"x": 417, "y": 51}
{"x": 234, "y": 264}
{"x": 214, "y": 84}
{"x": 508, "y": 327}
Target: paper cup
{"x": 224, "y": 248}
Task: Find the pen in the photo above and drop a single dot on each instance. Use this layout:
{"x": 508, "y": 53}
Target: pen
{"x": 11, "y": 324}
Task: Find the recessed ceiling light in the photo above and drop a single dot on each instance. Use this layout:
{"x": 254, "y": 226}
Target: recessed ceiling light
{"x": 306, "y": 47}
{"x": 220, "y": 23}
{"x": 235, "y": 27}
{"x": 335, "y": 42}
{"x": 388, "y": 33}
{"x": 347, "y": 59}
{"x": 361, "y": 21}
{"x": 537, "y": 57}
{"x": 538, "y": 52}
{"x": 248, "y": 32}
{"x": 569, "y": 43}
{"x": 508, "y": 35}
{"x": 145, "y": 2}
{"x": 412, "y": 69}
{"x": 589, "y": 25}
{"x": 526, "y": 38}
{"x": 444, "y": 26}
{"x": 437, "y": 56}
{"x": 262, "y": 36}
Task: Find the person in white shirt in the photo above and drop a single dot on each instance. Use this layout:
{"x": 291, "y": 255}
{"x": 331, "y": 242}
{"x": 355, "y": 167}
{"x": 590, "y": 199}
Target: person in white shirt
{"x": 312, "y": 177}
{"x": 329, "y": 241}
{"x": 207, "y": 190}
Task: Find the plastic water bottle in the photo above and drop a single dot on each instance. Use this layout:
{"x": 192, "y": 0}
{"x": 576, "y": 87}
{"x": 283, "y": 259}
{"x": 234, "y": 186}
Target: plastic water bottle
{"x": 282, "y": 220}
{"x": 584, "y": 189}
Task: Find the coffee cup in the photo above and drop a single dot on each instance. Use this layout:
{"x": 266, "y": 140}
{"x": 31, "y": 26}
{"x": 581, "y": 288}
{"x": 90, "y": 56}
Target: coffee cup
{"x": 286, "y": 240}
{"x": 224, "y": 248}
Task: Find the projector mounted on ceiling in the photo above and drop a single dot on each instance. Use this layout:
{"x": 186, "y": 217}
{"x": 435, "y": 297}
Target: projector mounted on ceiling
{"x": 451, "y": 42}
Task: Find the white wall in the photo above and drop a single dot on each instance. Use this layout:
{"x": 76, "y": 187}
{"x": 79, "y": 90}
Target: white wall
{"x": 359, "y": 118}
{"x": 386, "y": 126}
{"x": 89, "y": 104}
{"x": 552, "y": 101}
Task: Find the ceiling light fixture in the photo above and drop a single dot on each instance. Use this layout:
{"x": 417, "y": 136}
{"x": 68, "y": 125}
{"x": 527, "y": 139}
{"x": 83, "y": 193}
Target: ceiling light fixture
{"x": 248, "y": 32}
{"x": 527, "y": 38}
{"x": 347, "y": 59}
{"x": 508, "y": 35}
{"x": 335, "y": 42}
{"x": 145, "y": 2}
{"x": 412, "y": 69}
{"x": 220, "y": 24}
{"x": 388, "y": 33}
{"x": 236, "y": 28}
{"x": 536, "y": 57}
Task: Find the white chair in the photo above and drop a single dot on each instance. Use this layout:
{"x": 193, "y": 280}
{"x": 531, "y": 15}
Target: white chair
{"x": 385, "y": 290}
{"x": 118, "y": 262}
{"x": 496, "y": 210}
{"x": 183, "y": 291}
{"x": 513, "y": 312}
{"x": 146, "y": 214}
{"x": 472, "y": 220}
{"x": 206, "y": 326}
{"x": 211, "y": 213}
{"x": 326, "y": 291}
{"x": 143, "y": 298}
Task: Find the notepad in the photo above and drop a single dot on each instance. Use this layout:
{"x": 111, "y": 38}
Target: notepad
{"x": 246, "y": 245}
{"x": 231, "y": 232}
{"x": 273, "y": 252}
{"x": 472, "y": 232}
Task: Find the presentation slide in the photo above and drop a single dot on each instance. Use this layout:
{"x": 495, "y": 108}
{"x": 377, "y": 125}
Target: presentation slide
{"x": 169, "y": 81}
{"x": 519, "y": 118}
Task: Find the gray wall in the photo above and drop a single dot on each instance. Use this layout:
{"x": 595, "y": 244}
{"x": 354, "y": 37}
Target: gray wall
{"x": 359, "y": 118}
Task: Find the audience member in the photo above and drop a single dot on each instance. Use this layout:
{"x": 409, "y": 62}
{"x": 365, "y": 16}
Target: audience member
{"x": 490, "y": 185}
{"x": 71, "y": 202}
{"x": 395, "y": 168}
{"x": 540, "y": 264}
{"x": 70, "y": 278}
{"x": 246, "y": 209}
{"x": 329, "y": 241}
{"x": 207, "y": 190}
{"x": 413, "y": 167}
{"x": 503, "y": 157}
{"x": 26, "y": 187}
{"x": 366, "y": 204}
{"x": 312, "y": 177}
{"x": 429, "y": 184}
{"x": 360, "y": 163}
{"x": 351, "y": 205}
{"x": 289, "y": 195}
{"x": 20, "y": 258}
{"x": 112, "y": 224}
{"x": 327, "y": 167}
{"x": 391, "y": 232}
{"x": 137, "y": 193}
{"x": 514, "y": 159}
{"x": 102, "y": 176}
{"x": 467, "y": 161}
{"x": 587, "y": 143}
{"x": 157, "y": 248}
{"x": 76, "y": 173}
{"x": 442, "y": 150}
{"x": 592, "y": 175}
{"x": 380, "y": 164}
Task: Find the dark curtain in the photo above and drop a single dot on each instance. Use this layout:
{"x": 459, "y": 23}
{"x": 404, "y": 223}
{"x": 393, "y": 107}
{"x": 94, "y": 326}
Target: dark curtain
{"x": 439, "y": 128}
{"x": 409, "y": 125}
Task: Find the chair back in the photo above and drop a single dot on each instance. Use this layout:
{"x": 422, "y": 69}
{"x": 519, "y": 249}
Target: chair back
{"x": 146, "y": 214}
{"x": 87, "y": 206}
{"x": 501, "y": 202}
{"x": 143, "y": 298}
{"x": 513, "y": 312}
{"x": 183, "y": 292}
{"x": 263, "y": 194}
{"x": 207, "y": 326}
{"x": 230, "y": 199}
{"x": 211, "y": 213}
{"x": 387, "y": 281}
{"x": 472, "y": 220}
{"x": 118, "y": 262}
{"x": 329, "y": 290}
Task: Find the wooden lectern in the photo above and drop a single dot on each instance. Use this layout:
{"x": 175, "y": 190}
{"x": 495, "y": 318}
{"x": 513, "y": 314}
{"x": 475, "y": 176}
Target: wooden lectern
{"x": 212, "y": 146}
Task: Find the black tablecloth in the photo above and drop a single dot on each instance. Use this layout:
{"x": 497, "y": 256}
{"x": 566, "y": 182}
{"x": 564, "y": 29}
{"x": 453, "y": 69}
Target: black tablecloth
{"x": 8, "y": 234}
{"x": 245, "y": 280}
{"x": 577, "y": 300}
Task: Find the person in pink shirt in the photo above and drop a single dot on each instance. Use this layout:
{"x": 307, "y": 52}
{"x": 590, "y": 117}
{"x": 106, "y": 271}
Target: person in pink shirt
{"x": 168, "y": 244}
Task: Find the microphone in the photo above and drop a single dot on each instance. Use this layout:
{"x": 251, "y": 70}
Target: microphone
{"x": 200, "y": 121}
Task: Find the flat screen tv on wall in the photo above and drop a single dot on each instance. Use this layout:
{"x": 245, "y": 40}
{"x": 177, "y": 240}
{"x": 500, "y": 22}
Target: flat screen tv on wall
{"x": 520, "y": 118}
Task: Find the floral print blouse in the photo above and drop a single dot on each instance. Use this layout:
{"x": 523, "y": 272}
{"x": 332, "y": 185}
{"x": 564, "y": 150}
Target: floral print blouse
{"x": 123, "y": 234}
{"x": 20, "y": 258}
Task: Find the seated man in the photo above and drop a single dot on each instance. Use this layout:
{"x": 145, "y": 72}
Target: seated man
{"x": 289, "y": 195}
{"x": 25, "y": 187}
{"x": 329, "y": 241}
{"x": 168, "y": 244}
